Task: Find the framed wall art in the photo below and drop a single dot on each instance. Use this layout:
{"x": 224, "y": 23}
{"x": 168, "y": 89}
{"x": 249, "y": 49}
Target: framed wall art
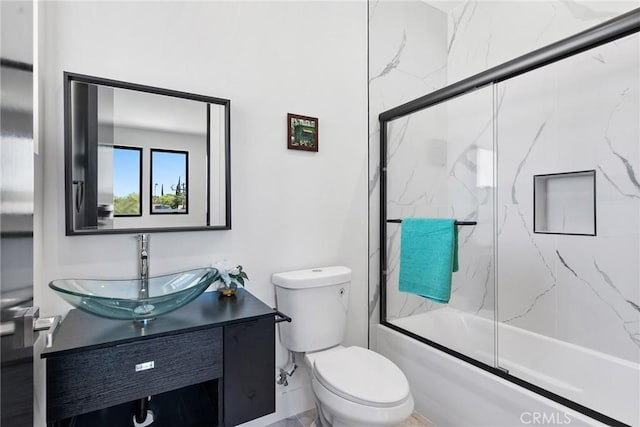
{"x": 302, "y": 132}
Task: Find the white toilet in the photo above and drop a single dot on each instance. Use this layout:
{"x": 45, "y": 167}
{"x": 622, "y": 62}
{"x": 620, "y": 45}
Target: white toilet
{"x": 353, "y": 386}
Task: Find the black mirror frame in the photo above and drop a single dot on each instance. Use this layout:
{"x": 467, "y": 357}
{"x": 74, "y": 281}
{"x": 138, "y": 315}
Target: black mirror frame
{"x": 68, "y": 78}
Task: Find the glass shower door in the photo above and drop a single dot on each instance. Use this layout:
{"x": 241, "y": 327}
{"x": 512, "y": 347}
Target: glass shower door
{"x": 440, "y": 165}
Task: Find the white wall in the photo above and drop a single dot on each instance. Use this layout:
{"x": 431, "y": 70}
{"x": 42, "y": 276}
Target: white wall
{"x": 290, "y": 209}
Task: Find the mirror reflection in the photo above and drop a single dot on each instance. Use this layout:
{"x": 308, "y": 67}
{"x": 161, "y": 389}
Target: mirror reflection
{"x": 140, "y": 158}
{"x": 127, "y": 170}
{"x": 169, "y": 170}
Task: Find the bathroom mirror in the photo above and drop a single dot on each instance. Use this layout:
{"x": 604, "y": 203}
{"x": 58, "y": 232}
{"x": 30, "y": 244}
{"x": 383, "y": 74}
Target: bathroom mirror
{"x": 144, "y": 159}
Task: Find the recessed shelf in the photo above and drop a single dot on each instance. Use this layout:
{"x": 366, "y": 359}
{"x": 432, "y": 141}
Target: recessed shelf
{"x": 565, "y": 203}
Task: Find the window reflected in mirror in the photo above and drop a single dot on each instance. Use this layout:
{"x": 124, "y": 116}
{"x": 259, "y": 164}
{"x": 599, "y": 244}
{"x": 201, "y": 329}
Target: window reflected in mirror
{"x": 169, "y": 183}
{"x": 127, "y": 182}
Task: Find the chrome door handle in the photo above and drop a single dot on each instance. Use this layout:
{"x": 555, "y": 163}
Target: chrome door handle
{"x": 50, "y": 324}
{"x": 23, "y": 325}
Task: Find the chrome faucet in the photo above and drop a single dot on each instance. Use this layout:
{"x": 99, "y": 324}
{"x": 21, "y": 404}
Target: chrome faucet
{"x": 143, "y": 265}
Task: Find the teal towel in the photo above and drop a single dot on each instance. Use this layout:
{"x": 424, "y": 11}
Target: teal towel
{"x": 428, "y": 256}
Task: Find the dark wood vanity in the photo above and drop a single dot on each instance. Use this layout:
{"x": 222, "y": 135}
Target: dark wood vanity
{"x": 211, "y": 362}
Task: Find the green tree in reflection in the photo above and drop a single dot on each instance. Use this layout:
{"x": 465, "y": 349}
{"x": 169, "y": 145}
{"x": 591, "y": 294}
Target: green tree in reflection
{"x": 128, "y": 205}
{"x": 172, "y": 200}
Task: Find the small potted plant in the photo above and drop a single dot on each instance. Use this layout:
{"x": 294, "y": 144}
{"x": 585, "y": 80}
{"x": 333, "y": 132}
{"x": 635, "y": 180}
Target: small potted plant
{"x": 229, "y": 278}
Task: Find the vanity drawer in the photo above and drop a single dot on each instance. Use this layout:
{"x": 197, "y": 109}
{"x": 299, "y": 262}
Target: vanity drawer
{"x": 83, "y": 382}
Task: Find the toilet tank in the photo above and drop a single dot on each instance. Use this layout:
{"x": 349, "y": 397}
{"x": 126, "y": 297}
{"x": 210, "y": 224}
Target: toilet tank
{"x": 316, "y": 300}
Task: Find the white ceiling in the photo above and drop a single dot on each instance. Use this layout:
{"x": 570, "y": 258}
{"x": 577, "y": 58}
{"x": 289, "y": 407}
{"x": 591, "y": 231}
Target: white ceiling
{"x": 444, "y": 5}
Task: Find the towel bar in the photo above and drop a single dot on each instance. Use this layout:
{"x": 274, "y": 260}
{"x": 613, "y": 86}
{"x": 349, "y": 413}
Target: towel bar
{"x": 457, "y": 222}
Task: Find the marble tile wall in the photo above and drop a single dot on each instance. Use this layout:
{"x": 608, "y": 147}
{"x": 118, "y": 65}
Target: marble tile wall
{"x": 580, "y": 114}
{"x": 407, "y": 59}
{"x": 577, "y": 114}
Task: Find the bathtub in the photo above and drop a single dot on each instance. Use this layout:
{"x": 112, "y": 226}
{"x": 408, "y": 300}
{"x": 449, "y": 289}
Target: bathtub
{"x": 451, "y": 392}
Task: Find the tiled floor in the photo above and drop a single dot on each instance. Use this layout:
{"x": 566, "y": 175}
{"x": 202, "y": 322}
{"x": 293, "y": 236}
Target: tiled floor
{"x": 306, "y": 418}
{"x": 416, "y": 420}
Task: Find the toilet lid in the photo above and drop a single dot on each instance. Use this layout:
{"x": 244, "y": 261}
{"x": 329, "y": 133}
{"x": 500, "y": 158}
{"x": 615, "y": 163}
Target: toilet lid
{"x": 362, "y": 376}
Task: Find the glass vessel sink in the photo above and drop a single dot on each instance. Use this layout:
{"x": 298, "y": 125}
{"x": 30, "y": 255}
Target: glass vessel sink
{"x": 121, "y": 299}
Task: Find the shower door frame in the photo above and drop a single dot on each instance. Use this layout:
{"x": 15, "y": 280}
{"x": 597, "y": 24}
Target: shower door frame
{"x": 616, "y": 28}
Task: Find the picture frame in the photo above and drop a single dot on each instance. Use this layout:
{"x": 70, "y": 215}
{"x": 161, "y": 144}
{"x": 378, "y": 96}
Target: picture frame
{"x": 302, "y": 132}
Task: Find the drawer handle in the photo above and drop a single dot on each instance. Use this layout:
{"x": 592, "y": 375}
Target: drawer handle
{"x": 145, "y": 366}
{"x": 282, "y": 317}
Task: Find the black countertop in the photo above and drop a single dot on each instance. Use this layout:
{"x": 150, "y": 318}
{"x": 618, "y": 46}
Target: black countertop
{"x": 82, "y": 331}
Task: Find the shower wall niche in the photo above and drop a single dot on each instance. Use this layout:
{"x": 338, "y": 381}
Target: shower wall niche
{"x": 565, "y": 203}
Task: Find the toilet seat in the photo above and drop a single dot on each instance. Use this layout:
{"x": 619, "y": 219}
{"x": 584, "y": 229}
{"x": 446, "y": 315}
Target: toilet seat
{"x": 362, "y": 376}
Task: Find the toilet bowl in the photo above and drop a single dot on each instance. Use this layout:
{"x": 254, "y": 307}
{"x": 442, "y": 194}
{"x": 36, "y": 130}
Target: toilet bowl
{"x": 352, "y": 386}
{"x": 356, "y": 387}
